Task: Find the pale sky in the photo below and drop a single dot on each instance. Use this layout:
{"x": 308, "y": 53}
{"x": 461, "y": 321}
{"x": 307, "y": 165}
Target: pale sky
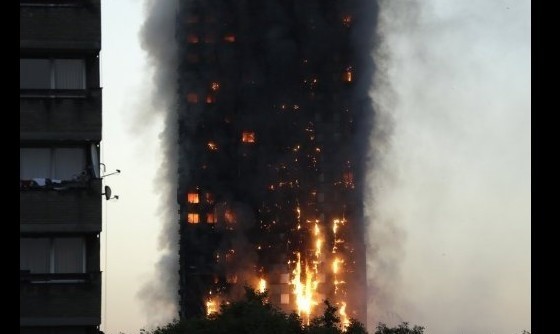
{"x": 450, "y": 198}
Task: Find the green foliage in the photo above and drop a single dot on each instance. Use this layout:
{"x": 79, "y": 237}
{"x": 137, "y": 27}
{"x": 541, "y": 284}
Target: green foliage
{"x": 400, "y": 329}
{"x": 255, "y": 315}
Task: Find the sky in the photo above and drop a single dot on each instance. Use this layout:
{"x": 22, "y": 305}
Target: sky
{"x": 448, "y": 201}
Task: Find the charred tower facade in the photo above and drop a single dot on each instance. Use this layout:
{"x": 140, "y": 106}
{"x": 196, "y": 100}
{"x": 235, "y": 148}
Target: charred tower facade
{"x": 274, "y": 118}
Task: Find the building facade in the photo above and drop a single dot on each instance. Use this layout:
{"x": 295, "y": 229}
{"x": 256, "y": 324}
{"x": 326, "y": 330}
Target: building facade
{"x": 274, "y": 114}
{"x": 60, "y": 182}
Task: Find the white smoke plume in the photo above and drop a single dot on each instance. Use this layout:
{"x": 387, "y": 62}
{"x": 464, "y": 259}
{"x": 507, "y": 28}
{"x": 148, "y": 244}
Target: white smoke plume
{"x": 449, "y": 198}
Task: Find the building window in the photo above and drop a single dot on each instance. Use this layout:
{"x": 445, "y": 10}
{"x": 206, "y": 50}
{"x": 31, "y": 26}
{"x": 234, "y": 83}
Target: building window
{"x": 211, "y": 218}
{"x": 51, "y": 163}
{"x": 192, "y": 39}
{"x": 52, "y": 74}
{"x": 192, "y": 57}
{"x": 52, "y": 255}
{"x": 248, "y": 137}
{"x": 284, "y": 298}
{"x": 192, "y": 198}
{"x": 193, "y": 218}
{"x": 209, "y": 38}
{"x": 192, "y": 98}
{"x": 191, "y": 19}
{"x": 229, "y": 38}
{"x": 284, "y": 278}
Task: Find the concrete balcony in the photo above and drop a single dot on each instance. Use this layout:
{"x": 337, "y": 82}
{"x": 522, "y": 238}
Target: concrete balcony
{"x": 75, "y": 209}
{"x": 60, "y": 299}
{"x": 64, "y": 25}
{"x": 60, "y": 115}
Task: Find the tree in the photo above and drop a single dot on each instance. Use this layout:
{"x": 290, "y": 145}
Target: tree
{"x": 400, "y": 329}
{"x": 255, "y": 314}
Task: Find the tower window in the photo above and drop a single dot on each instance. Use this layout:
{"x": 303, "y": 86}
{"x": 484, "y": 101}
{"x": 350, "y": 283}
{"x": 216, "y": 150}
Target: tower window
{"x": 211, "y": 218}
{"x": 229, "y": 38}
{"x": 192, "y": 98}
{"x": 192, "y": 39}
{"x": 192, "y": 198}
{"x": 248, "y": 137}
{"x": 193, "y": 218}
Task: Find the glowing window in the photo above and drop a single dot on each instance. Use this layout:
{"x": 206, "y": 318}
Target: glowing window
{"x": 248, "y": 137}
{"x": 347, "y": 74}
{"x": 193, "y": 218}
{"x": 284, "y": 278}
{"x": 192, "y": 198}
{"x": 192, "y": 98}
{"x": 209, "y": 198}
{"x": 321, "y": 278}
{"x": 285, "y": 298}
{"x": 229, "y": 216}
{"x": 211, "y": 218}
{"x": 230, "y": 38}
{"x": 215, "y": 86}
{"x": 192, "y": 39}
{"x": 212, "y": 146}
{"x": 347, "y": 20}
{"x": 210, "y": 99}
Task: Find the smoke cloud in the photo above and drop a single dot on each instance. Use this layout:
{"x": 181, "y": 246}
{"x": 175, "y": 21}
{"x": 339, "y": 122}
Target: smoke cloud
{"x": 157, "y": 36}
{"x": 449, "y": 196}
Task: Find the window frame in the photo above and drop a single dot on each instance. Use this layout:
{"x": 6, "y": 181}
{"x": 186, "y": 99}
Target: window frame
{"x": 52, "y": 73}
{"x": 51, "y": 265}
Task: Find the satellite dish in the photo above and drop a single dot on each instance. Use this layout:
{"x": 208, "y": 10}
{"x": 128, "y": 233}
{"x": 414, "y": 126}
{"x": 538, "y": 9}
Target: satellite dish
{"x": 107, "y": 193}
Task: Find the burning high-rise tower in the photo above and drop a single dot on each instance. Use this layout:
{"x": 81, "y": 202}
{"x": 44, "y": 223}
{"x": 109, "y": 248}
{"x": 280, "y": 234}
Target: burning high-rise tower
{"x": 274, "y": 119}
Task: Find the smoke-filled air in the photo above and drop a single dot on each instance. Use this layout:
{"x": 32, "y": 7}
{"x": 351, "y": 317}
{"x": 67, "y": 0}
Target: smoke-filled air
{"x": 373, "y": 153}
{"x": 449, "y": 199}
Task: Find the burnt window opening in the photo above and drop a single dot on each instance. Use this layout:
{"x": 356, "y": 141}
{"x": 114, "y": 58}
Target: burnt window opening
{"x": 193, "y": 58}
{"x": 192, "y": 19}
{"x": 209, "y": 38}
{"x": 192, "y": 98}
{"x": 211, "y": 218}
{"x": 209, "y": 198}
{"x": 229, "y": 38}
{"x": 193, "y": 39}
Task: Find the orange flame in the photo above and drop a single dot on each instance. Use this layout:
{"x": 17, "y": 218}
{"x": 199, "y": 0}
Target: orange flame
{"x": 211, "y": 306}
{"x": 262, "y": 285}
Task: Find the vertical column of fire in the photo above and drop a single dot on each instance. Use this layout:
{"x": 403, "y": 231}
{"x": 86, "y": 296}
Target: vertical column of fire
{"x": 338, "y": 270}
